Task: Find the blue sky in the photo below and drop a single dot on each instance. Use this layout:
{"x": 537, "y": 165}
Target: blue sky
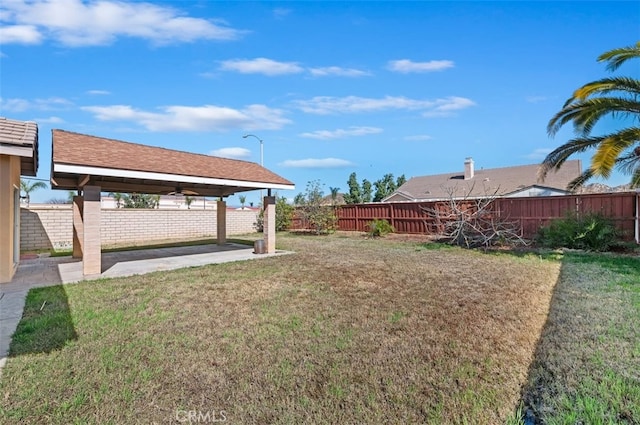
{"x": 331, "y": 88}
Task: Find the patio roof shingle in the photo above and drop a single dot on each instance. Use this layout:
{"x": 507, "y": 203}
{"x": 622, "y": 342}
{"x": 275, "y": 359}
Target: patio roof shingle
{"x": 81, "y": 150}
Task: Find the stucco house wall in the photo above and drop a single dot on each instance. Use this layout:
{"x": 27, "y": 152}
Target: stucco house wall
{"x": 9, "y": 184}
{"x": 18, "y": 156}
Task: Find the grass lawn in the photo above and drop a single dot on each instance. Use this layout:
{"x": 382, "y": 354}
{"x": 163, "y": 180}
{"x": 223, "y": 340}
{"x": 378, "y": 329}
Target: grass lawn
{"x": 587, "y": 364}
{"x": 347, "y": 330}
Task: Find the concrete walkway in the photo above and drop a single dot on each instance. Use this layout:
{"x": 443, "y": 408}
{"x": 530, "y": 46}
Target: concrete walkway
{"x": 48, "y": 271}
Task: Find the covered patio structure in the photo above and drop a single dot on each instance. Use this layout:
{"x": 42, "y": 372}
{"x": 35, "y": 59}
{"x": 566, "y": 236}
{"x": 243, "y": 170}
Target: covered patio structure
{"x": 92, "y": 165}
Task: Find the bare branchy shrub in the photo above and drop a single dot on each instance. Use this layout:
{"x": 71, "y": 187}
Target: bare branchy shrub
{"x": 472, "y": 222}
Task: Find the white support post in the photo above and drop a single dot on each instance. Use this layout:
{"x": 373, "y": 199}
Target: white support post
{"x": 91, "y": 245}
{"x": 78, "y": 226}
{"x": 221, "y": 222}
{"x": 269, "y": 224}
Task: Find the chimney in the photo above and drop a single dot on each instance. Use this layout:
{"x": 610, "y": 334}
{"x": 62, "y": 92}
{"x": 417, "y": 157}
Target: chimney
{"x": 468, "y": 168}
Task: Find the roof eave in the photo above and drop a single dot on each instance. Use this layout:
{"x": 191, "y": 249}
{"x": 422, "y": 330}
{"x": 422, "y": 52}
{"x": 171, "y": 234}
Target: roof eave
{"x": 59, "y": 170}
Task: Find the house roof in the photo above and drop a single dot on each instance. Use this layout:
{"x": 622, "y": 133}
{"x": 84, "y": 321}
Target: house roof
{"x": 20, "y": 138}
{"x": 328, "y": 200}
{"x": 502, "y": 181}
{"x": 118, "y": 166}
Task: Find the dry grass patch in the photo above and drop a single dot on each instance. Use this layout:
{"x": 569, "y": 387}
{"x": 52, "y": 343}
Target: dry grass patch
{"x": 346, "y": 330}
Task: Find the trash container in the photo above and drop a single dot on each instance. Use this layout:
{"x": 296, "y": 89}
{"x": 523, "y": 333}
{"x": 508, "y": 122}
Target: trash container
{"x": 259, "y": 247}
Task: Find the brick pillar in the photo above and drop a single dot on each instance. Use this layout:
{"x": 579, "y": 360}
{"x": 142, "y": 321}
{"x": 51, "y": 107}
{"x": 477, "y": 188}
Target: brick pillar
{"x": 269, "y": 224}
{"x": 91, "y": 255}
{"x": 78, "y": 226}
{"x": 222, "y": 222}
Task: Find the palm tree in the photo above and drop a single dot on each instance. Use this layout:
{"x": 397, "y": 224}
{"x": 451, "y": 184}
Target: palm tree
{"x": 188, "y": 200}
{"x": 334, "y": 194}
{"x": 615, "y": 97}
{"x": 242, "y": 199}
{"x": 27, "y": 187}
{"x": 119, "y": 198}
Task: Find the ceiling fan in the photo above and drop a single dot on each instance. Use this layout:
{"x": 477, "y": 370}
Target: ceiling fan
{"x": 179, "y": 192}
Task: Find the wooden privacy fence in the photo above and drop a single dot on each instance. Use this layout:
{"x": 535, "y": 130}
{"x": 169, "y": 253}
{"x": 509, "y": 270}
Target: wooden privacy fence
{"x": 530, "y": 213}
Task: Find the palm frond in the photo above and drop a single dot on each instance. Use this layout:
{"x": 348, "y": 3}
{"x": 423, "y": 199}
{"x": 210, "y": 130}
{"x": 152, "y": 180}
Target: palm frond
{"x": 606, "y": 86}
{"x": 580, "y": 180}
{"x": 28, "y": 186}
{"x": 557, "y": 157}
{"x": 635, "y": 178}
{"x": 617, "y": 57}
{"x": 628, "y": 162}
{"x": 584, "y": 114}
{"x": 606, "y": 156}
{"x": 617, "y": 97}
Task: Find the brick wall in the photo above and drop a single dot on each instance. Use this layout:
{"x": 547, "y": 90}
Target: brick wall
{"x": 46, "y": 227}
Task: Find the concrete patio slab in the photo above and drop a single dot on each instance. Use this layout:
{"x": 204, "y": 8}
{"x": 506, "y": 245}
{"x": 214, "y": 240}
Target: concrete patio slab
{"x": 50, "y": 271}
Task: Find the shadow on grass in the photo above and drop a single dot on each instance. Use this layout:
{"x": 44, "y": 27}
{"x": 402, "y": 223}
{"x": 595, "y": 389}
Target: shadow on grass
{"x": 580, "y": 371}
{"x": 46, "y": 323}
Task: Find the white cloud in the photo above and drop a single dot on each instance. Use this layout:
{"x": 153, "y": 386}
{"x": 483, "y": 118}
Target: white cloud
{"x": 14, "y": 105}
{"x": 338, "y": 72}
{"x": 20, "y": 34}
{"x": 446, "y": 107}
{"x": 406, "y": 66}
{"x": 539, "y": 154}
{"x": 353, "y": 104}
{"x": 341, "y": 133}
{"x": 418, "y": 138}
{"x": 316, "y": 163}
{"x": 280, "y": 12}
{"x": 52, "y": 103}
{"x": 21, "y": 105}
{"x": 50, "y": 120}
{"x": 98, "y": 92}
{"x": 233, "y": 153}
{"x": 536, "y": 99}
{"x": 194, "y": 118}
{"x": 89, "y": 23}
{"x": 264, "y": 66}
{"x": 324, "y": 105}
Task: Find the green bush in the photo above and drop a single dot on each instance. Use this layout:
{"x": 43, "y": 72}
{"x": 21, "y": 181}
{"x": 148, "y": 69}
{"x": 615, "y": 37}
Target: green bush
{"x": 284, "y": 215}
{"x": 592, "y": 232}
{"x": 379, "y": 228}
{"x": 320, "y": 218}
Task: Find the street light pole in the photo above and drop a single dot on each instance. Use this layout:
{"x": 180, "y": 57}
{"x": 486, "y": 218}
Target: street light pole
{"x": 261, "y": 154}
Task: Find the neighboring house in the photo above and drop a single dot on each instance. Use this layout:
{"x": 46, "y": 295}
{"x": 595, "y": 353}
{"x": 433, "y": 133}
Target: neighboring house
{"x": 328, "y": 200}
{"x": 516, "y": 181}
{"x": 18, "y": 156}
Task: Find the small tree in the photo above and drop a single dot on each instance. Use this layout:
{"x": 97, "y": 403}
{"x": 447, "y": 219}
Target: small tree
{"x": 118, "y": 197}
{"x": 243, "y": 200}
{"x": 334, "y": 194}
{"x": 320, "y": 218}
{"x": 27, "y": 187}
{"x": 284, "y": 215}
{"x": 386, "y": 186}
{"x": 188, "y": 200}
{"x": 140, "y": 200}
{"x": 473, "y": 222}
{"x": 367, "y": 191}
{"x": 299, "y": 199}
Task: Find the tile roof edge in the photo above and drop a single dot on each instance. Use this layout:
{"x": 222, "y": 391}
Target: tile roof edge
{"x": 151, "y": 146}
